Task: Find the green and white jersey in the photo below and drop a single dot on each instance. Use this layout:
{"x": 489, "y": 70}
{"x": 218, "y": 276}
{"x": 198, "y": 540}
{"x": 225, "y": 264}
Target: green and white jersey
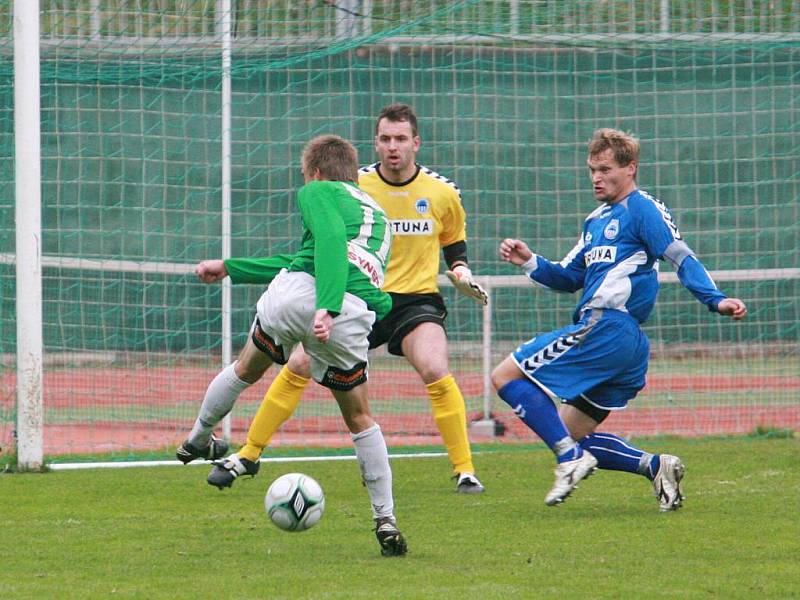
{"x": 345, "y": 247}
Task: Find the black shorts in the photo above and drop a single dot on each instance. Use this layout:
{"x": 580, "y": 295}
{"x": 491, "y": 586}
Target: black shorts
{"x": 598, "y": 414}
{"x": 408, "y": 311}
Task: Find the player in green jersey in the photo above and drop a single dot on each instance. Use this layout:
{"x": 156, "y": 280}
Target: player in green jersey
{"x": 326, "y": 296}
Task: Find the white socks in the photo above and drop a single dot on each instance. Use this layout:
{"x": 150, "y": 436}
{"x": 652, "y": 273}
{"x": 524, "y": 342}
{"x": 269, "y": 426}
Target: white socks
{"x": 220, "y": 397}
{"x": 373, "y": 458}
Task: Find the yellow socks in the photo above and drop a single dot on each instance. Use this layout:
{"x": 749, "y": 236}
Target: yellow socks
{"x": 278, "y": 404}
{"x": 285, "y": 392}
{"x": 451, "y": 419}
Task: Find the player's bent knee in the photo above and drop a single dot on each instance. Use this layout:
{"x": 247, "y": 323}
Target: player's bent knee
{"x": 359, "y": 422}
{"x": 498, "y": 380}
{"x": 432, "y": 375}
{"x": 504, "y": 372}
{"x": 300, "y": 364}
{"x": 249, "y": 373}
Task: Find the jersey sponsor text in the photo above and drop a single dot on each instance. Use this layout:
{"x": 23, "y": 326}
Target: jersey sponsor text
{"x": 605, "y": 254}
{"x": 412, "y": 226}
{"x": 366, "y": 263}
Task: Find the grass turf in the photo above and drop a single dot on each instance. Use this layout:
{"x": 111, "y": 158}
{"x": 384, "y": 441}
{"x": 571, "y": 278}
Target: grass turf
{"x": 162, "y": 532}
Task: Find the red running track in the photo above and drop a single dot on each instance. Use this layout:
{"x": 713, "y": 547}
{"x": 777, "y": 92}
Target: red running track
{"x": 83, "y": 391}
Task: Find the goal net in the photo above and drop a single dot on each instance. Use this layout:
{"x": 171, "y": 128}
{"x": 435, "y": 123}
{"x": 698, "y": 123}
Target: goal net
{"x": 138, "y": 160}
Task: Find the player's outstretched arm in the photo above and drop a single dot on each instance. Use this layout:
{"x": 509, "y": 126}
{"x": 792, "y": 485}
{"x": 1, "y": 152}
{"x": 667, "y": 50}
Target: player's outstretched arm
{"x": 733, "y": 308}
{"x": 515, "y": 251}
{"x": 209, "y": 271}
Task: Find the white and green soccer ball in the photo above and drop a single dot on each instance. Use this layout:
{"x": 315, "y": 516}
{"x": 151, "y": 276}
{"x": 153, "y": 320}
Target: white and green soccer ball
{"x": 294, "y": 502}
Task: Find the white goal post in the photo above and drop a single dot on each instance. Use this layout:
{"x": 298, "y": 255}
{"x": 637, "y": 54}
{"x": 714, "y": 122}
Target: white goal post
{"x": 28, "y": 182}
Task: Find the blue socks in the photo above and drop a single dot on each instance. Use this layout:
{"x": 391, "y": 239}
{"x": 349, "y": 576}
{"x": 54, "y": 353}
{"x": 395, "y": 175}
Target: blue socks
{"x": 615, "y": 454}
{"x": 539, "y": 413}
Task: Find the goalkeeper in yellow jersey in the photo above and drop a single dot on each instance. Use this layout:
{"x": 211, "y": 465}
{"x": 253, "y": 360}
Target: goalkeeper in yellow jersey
{"x": 426, "y": 215}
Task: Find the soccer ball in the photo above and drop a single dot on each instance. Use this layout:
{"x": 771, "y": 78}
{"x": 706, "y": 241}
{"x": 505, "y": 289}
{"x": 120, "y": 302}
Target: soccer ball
{"x": 294, "y": 502}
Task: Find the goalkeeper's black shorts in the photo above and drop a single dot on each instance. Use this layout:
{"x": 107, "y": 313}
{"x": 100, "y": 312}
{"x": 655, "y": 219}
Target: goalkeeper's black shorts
{"x": 408, "y": 311}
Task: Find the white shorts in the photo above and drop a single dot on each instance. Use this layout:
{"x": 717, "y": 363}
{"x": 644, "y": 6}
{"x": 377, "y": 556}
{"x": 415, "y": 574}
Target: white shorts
{"x": 285, "y": 317}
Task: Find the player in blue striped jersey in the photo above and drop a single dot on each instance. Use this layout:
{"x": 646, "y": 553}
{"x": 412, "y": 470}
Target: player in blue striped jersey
{"x": 599, "y": 363}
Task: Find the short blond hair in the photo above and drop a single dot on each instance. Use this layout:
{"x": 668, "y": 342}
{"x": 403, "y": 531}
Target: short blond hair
{"x": 335, "y": 157}
{"x": 623, "y": 145}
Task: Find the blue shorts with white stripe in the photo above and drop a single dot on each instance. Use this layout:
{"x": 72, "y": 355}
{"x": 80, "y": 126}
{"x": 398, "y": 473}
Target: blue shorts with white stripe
{"x": 602, "y": 359}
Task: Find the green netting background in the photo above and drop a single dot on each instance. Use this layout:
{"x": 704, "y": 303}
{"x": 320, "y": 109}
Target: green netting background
{"x": 508, "y": 94}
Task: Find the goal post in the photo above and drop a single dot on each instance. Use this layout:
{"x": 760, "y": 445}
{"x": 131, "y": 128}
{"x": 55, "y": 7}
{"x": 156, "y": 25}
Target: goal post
{"x": 27, "y": 175}
{"x": 171, "y": 133}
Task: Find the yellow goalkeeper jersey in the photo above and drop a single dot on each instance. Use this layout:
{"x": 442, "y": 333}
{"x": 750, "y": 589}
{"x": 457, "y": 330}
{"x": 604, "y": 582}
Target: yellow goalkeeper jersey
{"x": 425, "y": 215}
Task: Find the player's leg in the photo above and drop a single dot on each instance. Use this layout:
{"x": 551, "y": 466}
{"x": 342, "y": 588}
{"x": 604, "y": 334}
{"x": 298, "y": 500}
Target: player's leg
{"x": 582, "y": 416}
{"x": 283, "y": 313}
{"x": 664, "y": 471}
{"x": 373, "y": 460}
{"x": 425, "y": 347}
{"x": 278, "y": 405}
{"x": 535, "y": 408}
{"x": 614, "y": 453}
{"x": 340, "y": 364}
{"x": 219, "y": 399}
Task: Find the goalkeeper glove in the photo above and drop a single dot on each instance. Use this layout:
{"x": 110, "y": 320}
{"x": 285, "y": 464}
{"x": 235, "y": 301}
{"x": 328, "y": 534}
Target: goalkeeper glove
{"x": 461, "y": 278}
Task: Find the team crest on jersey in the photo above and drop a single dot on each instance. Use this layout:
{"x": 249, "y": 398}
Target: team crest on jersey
{"x": 422, "y": 205}
{"x": 612, "y": 229}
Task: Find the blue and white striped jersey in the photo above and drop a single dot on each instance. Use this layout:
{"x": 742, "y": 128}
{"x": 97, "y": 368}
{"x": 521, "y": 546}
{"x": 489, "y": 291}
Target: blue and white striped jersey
{"x": 615, "y": 260}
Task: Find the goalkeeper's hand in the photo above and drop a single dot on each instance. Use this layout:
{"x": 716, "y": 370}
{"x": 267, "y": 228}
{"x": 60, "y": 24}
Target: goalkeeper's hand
{"x": 461, "y": 278}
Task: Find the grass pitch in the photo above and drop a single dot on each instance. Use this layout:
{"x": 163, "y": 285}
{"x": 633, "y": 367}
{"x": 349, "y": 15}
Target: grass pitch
{"x": 162, "y": 532}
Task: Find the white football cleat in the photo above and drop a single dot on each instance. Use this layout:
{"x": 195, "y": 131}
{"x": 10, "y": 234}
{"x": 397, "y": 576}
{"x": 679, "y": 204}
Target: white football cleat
{"x": 469, "y": 484}
{"x": 667, "y": 482}
{"x": 568, "y": 475}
